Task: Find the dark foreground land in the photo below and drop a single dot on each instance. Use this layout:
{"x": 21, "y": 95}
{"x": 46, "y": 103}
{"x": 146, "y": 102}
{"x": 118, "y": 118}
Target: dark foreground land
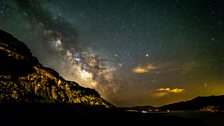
{"x": 210, "y": 118}
{"x": 24, "y": 114}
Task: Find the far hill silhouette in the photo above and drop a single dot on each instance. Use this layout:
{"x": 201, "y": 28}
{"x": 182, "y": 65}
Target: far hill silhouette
{"x": 210, "y": 103}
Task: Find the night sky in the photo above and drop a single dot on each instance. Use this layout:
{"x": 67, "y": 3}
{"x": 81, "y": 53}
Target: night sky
{"x": 133, "y": 52}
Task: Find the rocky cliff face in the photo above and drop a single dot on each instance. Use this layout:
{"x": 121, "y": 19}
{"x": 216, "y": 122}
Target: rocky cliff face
{"x": 24, "y": 80}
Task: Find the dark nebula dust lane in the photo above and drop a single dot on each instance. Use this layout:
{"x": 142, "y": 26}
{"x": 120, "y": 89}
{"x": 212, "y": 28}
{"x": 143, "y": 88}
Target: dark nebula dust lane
{"x": 135, "y": 52}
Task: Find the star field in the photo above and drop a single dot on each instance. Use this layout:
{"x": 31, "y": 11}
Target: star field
{"x": 134, "y": 52}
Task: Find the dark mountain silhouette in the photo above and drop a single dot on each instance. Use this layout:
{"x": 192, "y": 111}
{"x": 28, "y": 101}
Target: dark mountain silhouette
{"x": 139, "y": 108}
{"x": 31, "y": 94}
{"x": 211, "y": 103}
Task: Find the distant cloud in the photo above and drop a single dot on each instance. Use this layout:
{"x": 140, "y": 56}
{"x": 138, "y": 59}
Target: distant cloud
{"x": 151, "y": 67}
{"x": 161, "y": 92}
{"x": 140, "y": 70}
{"x": 192, "y": 65}
{"x": 145, "y": 69}
{"x": 167, "y": 67}
{"x": 175, "y": 90}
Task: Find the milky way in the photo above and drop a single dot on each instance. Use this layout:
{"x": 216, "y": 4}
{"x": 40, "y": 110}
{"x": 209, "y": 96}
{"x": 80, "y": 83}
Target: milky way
{"x": 84, "y": 67}
{"x": 134, "y": 52}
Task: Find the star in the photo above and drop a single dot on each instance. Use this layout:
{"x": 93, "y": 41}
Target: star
{"x": 120, "y": 64}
